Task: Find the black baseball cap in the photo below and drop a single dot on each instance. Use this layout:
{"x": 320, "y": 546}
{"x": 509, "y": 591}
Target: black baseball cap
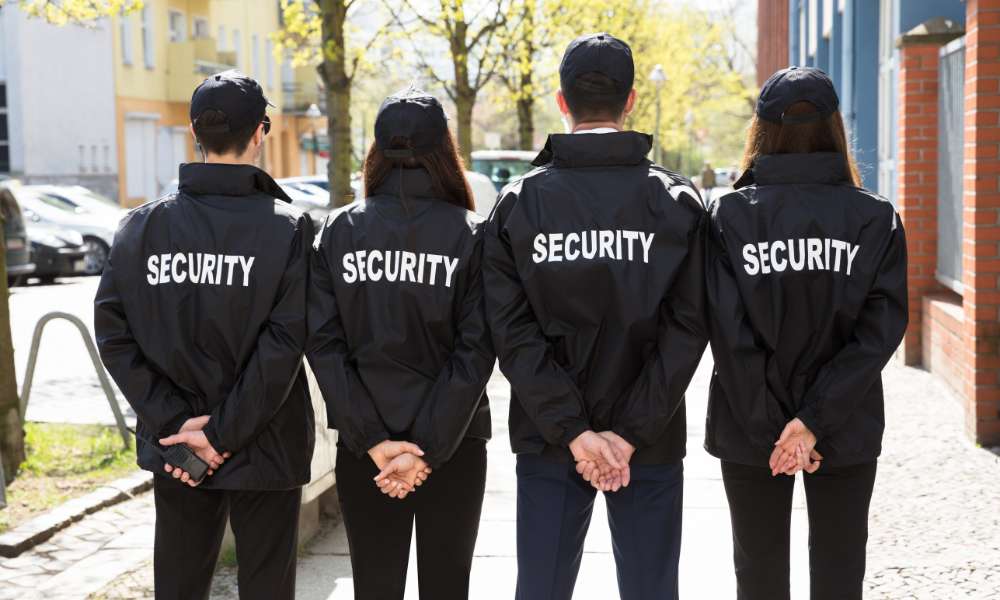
{"x": 797, "y": 84}
{"x": 598, "y": 53}
{"x": 234, "y": 94}
{"x": 414, "y": 115}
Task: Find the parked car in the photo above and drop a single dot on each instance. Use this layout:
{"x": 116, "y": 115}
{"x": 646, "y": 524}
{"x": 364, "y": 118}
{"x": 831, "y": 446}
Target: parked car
{"x": 18, "y": 252}
{"x": 502, "y": 165}
{"x": 81, "y": 200}
{"x": 56, "y": 252}
{"x": 310, "y": 198}
{"x": 98, "y": 231}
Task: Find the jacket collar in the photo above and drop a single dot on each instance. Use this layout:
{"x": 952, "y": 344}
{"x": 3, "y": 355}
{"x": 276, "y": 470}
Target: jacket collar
{"x": 815, "y": 167}
{"x": 409, "y": 183}
{"x": 227, "y": 180}
{"x": 620, "y": 148}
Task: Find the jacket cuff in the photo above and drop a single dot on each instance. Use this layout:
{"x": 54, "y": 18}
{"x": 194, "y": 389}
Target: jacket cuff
{"x": 212, "y": 435}
{"x": 808, "y": 415}
{"x": 173, "y": 425}
{"x": 626, "y": 435}
{"x": 370, "y": 442}
{"x": 573, "y": 431}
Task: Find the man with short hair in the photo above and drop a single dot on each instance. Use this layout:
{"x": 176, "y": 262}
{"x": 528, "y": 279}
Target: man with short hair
{"x": 594, "y": 284}
{"x": 200, "y": 319}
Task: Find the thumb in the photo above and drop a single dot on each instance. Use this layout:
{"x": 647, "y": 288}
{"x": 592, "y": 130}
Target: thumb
{"x": 411, "y": 448}
{"x": 177, "y": 438}
{"x": 815, "y": 455}
{"x": 390, "y": 468}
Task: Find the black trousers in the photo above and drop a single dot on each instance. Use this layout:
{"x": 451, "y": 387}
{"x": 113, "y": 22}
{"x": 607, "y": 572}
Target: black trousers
{"x": 190, "y": 523}
{"x": 446, "y": 509}
{"x": 837, "y": 501}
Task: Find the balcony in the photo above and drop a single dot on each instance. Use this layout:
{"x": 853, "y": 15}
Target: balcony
{"x": 189, "y": 62}
{"x": 300, "y": 88}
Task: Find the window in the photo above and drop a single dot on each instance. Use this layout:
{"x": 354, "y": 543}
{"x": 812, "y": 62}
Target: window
{"x": 269, "y": 63}
{"x": 147, "y": 36}
{"x": 125, "y": 37}
{"x": 238, "y": 48}
{"x": 254, "y": 56}
{"x": 200, "y": 28}
{"x": 221, "y": 39}
{"x": 178, "y": 26}
{"x": 4, "y": 133}
{"x": 813, "y": 28}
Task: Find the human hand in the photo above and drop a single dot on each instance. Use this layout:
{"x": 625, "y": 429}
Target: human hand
{"x": 793, "y": 449}
{"x": 402, "y": 475}
{"x": 596, "y": 457}
{"x": 618, "y": 478}
{"x": 195, "y": 423}
{"x": 198, "y": 443}
{"x": 387, "y": 450}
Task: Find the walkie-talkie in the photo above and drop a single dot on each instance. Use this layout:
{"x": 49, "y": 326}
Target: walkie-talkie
{"x": 180, "y": 457}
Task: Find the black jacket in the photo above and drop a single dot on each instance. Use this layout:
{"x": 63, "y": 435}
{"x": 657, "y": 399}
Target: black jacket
{"x": 595, "y": 288}
{"x": 399, "y": 342}
{"x": 201, "y": 311}
{"x": 807, "y": 294}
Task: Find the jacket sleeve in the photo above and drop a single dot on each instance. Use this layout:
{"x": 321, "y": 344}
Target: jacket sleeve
{"x": 654, "y": 397}
{"x": 844, "y": 381}
{"x": 267, "y": 378}
{"x": 446, "y": 413}
{"x": 160, "y": 405}
{"x": 546, "y": 392}
{"x": 740, "y": 363}
{"x": 349, "y": 407}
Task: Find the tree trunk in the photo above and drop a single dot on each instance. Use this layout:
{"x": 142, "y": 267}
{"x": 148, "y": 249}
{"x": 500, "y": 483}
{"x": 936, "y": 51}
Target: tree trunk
{"x": 525, "y": 122}
{"x": 464, "y": 101}
{"x": 338, "y": 100}
{"x": 11, "y": 428}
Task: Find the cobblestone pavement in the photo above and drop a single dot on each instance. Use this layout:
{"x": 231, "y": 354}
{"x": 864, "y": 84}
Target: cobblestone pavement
{"x": 83, "y": 557}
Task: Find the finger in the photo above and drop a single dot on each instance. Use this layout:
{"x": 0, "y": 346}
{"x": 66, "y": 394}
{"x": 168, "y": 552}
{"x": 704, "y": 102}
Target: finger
{"x": 773, "y": 461}
{"x": 167, "y": 468}
{"x": 211, "y": 472}
{"x": 411, "y": 448}
{"x": 185, "y": 477}
{"x": 389, "y": 469}
{"x": 816, "y": 455}
{"x": 177, "y": 473}
{"x": 611, "y": 455}
{"x": 177, "y": 438}
{"x": 626, "y": 476}
{"x": 785, "y": 433}
{"x": 581, "y": 467}
{"x": 813, "y": 467}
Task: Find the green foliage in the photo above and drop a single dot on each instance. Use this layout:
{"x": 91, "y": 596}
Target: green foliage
{"x": 63, "y": 461}
{"x": 62, "y": 12}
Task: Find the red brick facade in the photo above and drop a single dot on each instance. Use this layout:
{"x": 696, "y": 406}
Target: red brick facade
{"x": 981, "y": 220}
{"x": 772, "y": 38}
{"x": 917, "y": 171}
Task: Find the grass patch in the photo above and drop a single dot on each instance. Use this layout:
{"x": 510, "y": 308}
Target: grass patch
{"x": 64, "y": 461}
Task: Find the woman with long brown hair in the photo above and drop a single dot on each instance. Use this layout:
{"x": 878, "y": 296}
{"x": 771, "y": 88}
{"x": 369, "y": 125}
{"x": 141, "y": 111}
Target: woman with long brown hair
{"x": 807, "y": 302}
{"x": 401, "y": 351}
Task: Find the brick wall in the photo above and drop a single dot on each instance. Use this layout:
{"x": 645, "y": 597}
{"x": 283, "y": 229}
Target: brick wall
{"x": 917, "y": 172}
{"x": 943, "y": 325}
{"x": 981, "y": 220}
{"x": 772, "y": 38}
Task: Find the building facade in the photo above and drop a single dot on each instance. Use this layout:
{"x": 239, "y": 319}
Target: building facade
{"x": 919, "y": 82}
{"x": 162, "y": 52}
{"x": 57, "y": 103}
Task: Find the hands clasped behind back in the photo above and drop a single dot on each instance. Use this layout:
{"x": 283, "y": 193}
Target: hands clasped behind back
{"x": 192, "y": 435}
{"x": 603, "y": 459}
{"x": 401, "y": 468}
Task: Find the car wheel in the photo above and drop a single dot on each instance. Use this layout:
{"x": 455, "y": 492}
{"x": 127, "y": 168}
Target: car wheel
{"x": 96, "y": 256}
{"x": 46, "y": 279}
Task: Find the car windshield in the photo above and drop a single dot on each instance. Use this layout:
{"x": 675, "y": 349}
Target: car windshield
{"x": 501, "y": 170}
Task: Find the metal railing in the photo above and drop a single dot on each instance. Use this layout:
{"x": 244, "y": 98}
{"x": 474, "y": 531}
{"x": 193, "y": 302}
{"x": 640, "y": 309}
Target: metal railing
{"x": 102, "y": 376}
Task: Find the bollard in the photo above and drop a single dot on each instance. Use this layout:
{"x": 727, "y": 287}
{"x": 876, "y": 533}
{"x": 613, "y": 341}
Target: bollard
{"x": 102, "y": 376}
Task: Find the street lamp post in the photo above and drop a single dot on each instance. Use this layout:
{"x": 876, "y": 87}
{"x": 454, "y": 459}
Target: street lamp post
{"x": 313, "y": 113}
{"x": 658, "y": 77}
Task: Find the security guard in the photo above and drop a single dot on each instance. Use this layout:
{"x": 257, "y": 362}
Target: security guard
{"x": 807, "y": 295}
{"x": 400, "y": 347}
{"x": 594, "y": 286}
{"x": 200, "y": 318}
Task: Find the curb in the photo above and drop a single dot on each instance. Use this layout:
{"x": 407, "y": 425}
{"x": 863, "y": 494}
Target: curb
{"x": 37, "y": 530}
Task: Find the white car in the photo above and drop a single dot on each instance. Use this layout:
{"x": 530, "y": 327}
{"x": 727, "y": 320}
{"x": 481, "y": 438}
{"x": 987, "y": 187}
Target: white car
{"x": 81, "y": 200}
{"x": 98, "y": 230}
{"x": 501, "y": 166}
